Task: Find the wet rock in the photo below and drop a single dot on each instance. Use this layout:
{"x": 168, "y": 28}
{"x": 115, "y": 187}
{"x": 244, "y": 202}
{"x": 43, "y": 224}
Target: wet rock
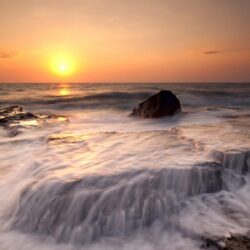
{"x": 14, "y": 120}
{"x": 237, "y": 161}
{"x": 211, "y": 244}
{"x": 164, "y": 103}
{"x": 51, "y": 119}
{"x": 109, "y": 205}
{"x": 11, "y": 110}
{"x": 17, "y": 117}
{"x": 12, "y": 114}
{"x": 237, "y": 243}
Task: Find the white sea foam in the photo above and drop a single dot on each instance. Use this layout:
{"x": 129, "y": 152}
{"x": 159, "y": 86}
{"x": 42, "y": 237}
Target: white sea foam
{"x": 106, "y": 180}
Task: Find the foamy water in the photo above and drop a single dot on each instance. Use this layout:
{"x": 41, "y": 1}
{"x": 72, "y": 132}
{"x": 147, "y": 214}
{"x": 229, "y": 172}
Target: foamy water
{"x": 105, "y": 180}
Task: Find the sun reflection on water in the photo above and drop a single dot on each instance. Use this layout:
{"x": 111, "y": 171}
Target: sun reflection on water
{"x": 64, "y": 91}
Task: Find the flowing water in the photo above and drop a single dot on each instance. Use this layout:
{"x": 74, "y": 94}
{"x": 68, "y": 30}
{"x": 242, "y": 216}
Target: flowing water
{"x": 102, "y": 179}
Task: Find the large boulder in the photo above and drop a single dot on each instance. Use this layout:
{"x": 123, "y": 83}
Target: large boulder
{"x": 164, "y": 103}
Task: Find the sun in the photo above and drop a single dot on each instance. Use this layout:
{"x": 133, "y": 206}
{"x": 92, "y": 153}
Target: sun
{"x": 62, "y": 65}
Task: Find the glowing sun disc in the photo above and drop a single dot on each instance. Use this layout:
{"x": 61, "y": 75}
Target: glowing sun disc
{"x": 62, "y": 65}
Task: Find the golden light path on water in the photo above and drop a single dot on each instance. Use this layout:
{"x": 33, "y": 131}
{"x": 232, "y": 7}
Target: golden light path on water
{"x": 64, "y": 90}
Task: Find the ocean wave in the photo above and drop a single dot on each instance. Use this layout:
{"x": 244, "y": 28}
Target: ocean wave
{"x": 121, "y": 97}
{"x": 115, "y": 100}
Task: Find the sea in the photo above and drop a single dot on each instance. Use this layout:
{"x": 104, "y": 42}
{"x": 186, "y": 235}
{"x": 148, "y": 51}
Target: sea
{"x": 97, "y": 178}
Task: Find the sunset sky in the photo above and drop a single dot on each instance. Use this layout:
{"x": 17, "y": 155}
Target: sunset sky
{"x": 124, "y": 41}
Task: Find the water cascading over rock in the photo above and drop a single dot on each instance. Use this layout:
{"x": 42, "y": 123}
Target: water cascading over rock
{"x": 113, "y": 205}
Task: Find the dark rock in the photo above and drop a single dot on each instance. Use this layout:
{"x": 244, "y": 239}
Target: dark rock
{"x": 164, "y": 103}
{"x": 12, "y": 120}
{"x": 17, "y": 117}
{"x": 238, "y": 243}
{"x": 11, "y": 110}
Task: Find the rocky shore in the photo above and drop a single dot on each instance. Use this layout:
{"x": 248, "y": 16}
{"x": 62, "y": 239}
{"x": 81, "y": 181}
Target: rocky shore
{"x": 237, "y": 243}
{"x": 15, "y": 120}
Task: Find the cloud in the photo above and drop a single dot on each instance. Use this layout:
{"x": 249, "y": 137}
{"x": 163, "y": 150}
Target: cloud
{"x": 211, "y": 52}
{"x": 9, "y": 54}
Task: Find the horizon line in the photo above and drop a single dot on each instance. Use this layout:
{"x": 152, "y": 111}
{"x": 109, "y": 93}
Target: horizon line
{"x": 179, "y": 82}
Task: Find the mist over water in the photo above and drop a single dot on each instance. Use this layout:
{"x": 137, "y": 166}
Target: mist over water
{"x": 106, "y": 180}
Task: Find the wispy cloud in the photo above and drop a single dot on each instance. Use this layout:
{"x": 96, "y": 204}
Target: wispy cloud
{"x": 211, "y": 52}
{"x": 9, "y": 54}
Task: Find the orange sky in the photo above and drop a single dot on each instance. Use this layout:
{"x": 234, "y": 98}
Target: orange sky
{"x": 125, "y": 41}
